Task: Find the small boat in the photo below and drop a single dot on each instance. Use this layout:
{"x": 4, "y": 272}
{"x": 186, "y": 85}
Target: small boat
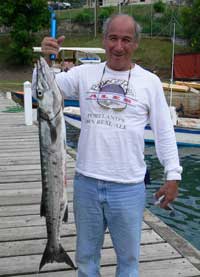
{"x": 180, "y": 87}
{"x": 195, "y": 85}
{"x": 76, "y": 55}
{"x": 18, "y": 97}
{"x": 187, "y": 130}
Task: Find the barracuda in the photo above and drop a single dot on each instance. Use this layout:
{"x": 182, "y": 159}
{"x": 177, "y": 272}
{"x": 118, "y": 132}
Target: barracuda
{"x": 52, "y": 138}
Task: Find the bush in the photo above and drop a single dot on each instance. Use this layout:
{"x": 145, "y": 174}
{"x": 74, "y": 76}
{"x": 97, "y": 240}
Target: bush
{"x": 159, "y": 7}
{"x": 104, "y": 14}
{"x": 24, "y": 18}
{"x": 84, "y": 18}
{"x": 190, "y": 19}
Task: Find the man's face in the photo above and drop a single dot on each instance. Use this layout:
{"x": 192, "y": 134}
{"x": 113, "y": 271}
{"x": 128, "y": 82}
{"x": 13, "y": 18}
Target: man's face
{"x": 119, "y": 43}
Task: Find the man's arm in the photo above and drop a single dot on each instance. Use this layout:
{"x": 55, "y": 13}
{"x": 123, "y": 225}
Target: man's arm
{"x": 166, "y": 148}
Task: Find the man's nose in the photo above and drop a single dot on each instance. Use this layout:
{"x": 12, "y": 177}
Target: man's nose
{"x": 119, "y": 45}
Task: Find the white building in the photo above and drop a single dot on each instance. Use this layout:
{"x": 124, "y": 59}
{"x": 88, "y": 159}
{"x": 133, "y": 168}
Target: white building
{"x": 106, "y": 3}
{"x": 123, "y": 2}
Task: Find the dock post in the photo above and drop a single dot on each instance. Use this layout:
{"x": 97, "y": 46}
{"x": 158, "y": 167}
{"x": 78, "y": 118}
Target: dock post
{"x": 28, "y": 103}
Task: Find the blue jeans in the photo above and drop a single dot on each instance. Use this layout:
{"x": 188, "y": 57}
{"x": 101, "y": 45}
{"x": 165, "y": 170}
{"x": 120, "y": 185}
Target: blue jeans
{"x": 100, "y": 204}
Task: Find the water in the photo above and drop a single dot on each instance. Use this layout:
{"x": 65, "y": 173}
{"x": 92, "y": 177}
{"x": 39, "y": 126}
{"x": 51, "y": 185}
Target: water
{"x": 187, "y": 206}
{"x": 186, "y": 221}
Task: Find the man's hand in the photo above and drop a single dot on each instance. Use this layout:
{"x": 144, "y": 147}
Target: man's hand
{"x": 51, "y": 46}
{"x": 169, "y": 190}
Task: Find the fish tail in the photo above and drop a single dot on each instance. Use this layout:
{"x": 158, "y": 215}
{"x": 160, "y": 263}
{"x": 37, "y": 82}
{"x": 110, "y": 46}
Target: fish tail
{"x": 57, "y": 255}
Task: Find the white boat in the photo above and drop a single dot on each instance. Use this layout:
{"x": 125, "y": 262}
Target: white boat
{"x": 95, "y": 50}
{"x": 187, "y": 130}
{"x": 78, "y": 55}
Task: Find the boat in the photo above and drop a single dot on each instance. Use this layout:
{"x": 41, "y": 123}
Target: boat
{"x": 195, "y": 85}
{"x": 187, "y": 130}
{"x": 76, "y": 55}
{"x": 180, "y": 87}
{"x": 18, "y": 97}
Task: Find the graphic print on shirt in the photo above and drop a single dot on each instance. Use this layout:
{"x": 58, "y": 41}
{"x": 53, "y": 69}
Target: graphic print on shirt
{"x": 114, "y": 94}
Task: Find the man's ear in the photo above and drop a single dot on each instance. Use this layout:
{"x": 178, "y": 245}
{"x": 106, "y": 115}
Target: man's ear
{"x": 104, "y": 42}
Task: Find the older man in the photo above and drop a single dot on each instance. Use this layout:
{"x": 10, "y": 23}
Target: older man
{"x": 117, "y": 99}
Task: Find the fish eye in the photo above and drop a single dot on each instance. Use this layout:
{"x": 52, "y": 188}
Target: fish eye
{"x": 39, "y": 94}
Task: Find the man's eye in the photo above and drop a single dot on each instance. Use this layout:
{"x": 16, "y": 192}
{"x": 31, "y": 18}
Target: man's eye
{"x": 112, "y": 38}
{"x": 127, "y": 40}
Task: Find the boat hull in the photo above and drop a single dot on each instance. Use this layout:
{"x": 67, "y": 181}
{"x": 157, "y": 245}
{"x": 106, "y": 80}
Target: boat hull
{"x": 184, "y": 136}
{"x": 18, "y": 97}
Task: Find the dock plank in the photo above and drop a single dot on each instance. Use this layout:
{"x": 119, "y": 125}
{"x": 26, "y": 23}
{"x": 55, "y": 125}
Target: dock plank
{"x": 39, "y": 232}
{"x": 22, "y": 210}
{"x": 175, "y": 268}
{"x": 23, "y": 232}
{"x": 24, "y": 186}
{"x": 28, "y": 247}
{"x": 32, "y": 232}
{"x": 36, "y": 166}
{"x": 31, "y": 262}
{"x": 26, "y": 169}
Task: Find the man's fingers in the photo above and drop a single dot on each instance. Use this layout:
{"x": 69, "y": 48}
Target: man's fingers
{"x": 60, "y": 40}
{"x": 159, "y": 193}
{"x": 164, "y": 203}
{"x": 50, "y": 46}
{"x": 169, "y": 190}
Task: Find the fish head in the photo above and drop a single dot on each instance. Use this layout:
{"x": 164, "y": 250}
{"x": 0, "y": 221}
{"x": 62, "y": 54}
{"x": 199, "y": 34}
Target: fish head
{"x": 48, "y": 94}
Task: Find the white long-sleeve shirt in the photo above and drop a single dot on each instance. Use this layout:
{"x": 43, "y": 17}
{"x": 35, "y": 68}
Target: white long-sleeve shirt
{"x": 111, "y": 143}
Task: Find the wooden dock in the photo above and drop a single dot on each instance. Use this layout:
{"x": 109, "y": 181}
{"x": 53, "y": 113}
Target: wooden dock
{"x": 23, "y": 232}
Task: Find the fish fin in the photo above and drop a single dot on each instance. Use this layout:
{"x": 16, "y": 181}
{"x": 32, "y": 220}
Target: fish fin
{"x": 58, "y": 255}
{"x": 65, "y": 216}
{"x": 42, "y": 207}
{"x": 46, "y": 258}
{"x": 64, "y": 257}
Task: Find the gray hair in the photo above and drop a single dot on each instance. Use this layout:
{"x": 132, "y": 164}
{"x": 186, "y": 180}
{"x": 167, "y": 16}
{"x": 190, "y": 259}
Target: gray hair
{"x": 137, "y": 29}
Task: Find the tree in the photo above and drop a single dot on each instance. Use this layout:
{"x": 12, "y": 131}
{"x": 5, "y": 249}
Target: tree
{"x": 190, "y": 17}
{"x": 159, "y": 6}
{"x": 25, "y": 18}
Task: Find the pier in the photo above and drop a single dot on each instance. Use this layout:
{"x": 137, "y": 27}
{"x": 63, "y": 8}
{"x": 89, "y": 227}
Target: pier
{"x": 23, "y": 232}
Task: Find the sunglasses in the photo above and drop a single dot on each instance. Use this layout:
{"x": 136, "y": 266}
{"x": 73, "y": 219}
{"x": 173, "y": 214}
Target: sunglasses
{"x": 112, "y": 100}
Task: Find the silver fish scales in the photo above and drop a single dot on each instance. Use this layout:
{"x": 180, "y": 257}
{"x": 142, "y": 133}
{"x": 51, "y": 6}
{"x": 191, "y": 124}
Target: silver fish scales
{"x": 52, "y": 138}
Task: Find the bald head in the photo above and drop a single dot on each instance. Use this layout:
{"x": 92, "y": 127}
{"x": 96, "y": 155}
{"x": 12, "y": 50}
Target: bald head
{"x": 121, "y": 18}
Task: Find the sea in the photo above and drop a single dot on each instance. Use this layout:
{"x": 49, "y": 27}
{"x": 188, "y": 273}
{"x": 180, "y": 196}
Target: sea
{"x": 186, "y": 220}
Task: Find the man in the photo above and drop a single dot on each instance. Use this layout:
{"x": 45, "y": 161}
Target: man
{"x": 117, "y": 99}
